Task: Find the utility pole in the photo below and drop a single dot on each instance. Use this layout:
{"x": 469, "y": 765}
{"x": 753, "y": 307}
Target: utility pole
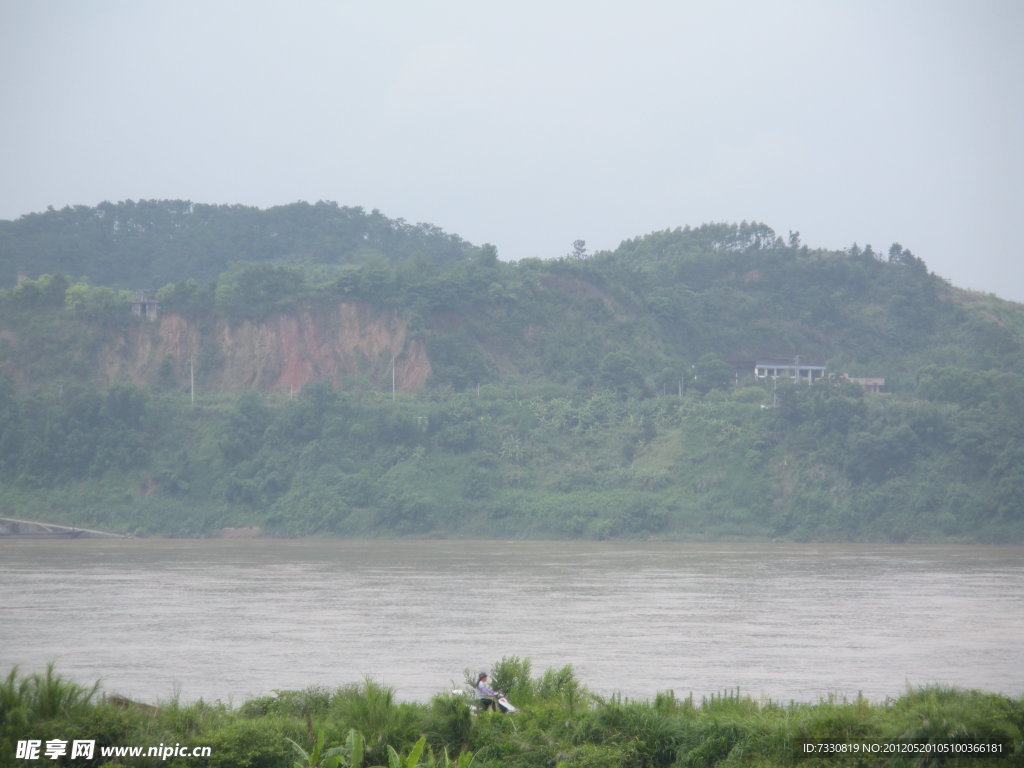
{"x": 192, "y": 378}
{"x": 392, "y": 378}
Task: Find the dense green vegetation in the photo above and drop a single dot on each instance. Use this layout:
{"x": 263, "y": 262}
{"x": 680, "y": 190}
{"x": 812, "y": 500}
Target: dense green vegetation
{"x": 586, "y": 396}
{"x": 560, "y": 724}
{"x": 146, "y": 244}
{"x": 828, "y": 463}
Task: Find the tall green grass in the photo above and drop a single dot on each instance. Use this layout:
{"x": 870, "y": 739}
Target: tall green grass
{"x": 559, "y": 724}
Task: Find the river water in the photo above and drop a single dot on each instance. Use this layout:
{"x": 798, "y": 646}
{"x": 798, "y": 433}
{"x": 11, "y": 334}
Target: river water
{"x": 230, "y": 620}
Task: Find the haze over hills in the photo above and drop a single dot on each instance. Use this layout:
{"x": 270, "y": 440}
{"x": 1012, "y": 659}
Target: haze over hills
{"x": 175, "y": 368}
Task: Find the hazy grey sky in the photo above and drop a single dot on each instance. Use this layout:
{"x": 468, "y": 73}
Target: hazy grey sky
{"x": 531, "y": 124}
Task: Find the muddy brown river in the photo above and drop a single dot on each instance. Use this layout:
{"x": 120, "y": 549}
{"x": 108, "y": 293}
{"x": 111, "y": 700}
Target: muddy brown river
{"x": 230, "y": 620}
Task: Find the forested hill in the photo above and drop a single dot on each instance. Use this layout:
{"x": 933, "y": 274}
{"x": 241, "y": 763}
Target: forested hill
{"x": 312, "y": 369}
{"x": 146, "y": 244}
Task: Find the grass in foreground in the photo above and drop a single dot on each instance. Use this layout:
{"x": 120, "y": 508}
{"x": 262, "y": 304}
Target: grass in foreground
{"x": 559, "y": 725}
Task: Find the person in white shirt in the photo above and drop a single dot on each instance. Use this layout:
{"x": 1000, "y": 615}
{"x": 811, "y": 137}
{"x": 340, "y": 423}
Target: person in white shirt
{"x": 488, "y": 696}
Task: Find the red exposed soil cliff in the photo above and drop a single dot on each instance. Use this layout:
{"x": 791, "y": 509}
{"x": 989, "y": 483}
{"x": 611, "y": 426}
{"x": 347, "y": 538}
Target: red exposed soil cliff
{"x": 281, "y": 354}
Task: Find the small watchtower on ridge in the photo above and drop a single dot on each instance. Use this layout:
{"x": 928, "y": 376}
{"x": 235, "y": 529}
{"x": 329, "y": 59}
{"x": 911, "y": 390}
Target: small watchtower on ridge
{"x": 145, "y": 305}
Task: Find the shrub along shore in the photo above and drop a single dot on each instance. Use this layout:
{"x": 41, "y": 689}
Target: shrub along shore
{"x": 559, "y": 723}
